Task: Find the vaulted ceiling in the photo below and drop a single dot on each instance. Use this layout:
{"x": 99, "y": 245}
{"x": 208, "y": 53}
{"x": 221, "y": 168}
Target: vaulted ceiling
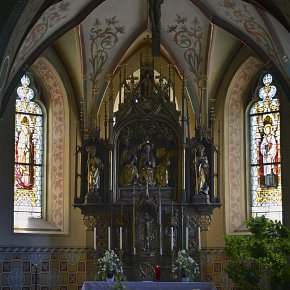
{"x": 202, "y": 38}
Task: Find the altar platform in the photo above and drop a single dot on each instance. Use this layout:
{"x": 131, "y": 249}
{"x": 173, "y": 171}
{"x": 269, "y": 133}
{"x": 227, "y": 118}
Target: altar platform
{"x": 101, "y": 285}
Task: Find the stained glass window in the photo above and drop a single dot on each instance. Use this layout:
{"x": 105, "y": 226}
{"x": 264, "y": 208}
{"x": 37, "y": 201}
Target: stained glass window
{"x": 28, "y": 183}
{"x": 265, "y": 171}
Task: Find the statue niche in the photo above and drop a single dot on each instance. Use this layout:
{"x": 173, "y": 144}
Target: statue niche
{"x": 147, "y": 230}
{"x": 147, "y": 162}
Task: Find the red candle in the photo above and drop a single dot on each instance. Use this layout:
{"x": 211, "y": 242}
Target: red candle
{"x": 157, "y": 272}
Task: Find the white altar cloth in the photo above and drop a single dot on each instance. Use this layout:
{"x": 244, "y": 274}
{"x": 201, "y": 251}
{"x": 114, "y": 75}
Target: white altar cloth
{"x": 101, "y": 285}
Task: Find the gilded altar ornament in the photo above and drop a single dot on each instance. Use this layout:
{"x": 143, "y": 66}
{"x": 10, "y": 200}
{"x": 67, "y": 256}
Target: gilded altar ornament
{"x": 147, "y": 164}
{"x": 89, "y": 222}
{"x": 128, "y": 174}
{"x": 202, "y": 170}
{"x": 95, "y": 166}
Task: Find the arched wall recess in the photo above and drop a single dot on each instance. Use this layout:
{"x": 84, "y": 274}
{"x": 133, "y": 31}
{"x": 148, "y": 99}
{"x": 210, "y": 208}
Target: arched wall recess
{"x": 234, "y": 145}
{"x": 58, "y": 138}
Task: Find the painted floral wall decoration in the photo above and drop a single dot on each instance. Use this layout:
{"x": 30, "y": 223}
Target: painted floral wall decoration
{"x": 52, "y": 16}
{"x": 102, "y": 38}
{"x": 188, "y": 36}
{"x": 241, "y": 15}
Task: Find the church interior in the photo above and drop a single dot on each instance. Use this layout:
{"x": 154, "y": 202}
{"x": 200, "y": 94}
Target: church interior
{"x": 146, "y": 127}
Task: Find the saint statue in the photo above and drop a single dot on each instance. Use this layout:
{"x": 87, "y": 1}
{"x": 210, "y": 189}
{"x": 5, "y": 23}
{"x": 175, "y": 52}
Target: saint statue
{"x": 146, "y": 86}
{"x": 161, "y": 172}
{"x": 269, "y": 151}
{"x": 201, "y": 170}
{"x": 147, "y": 164}
{"x": 128, "y": 174}
{"x": 95, "y": 166}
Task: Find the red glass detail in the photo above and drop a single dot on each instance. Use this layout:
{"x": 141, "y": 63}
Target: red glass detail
{"x": 157, "y": 272}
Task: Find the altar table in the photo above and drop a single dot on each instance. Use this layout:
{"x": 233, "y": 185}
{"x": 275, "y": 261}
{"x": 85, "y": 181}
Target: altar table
{"x": 100, "y": 285}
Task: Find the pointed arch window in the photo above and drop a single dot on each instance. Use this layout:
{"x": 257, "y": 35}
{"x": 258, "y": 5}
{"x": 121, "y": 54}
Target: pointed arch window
{"x": 265, "y": 158}
{"x": 29, "y": 154}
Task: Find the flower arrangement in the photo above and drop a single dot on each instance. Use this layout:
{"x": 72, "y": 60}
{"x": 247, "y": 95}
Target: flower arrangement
{"x": 110, "y": 265}
{"x": 185, "y": 266}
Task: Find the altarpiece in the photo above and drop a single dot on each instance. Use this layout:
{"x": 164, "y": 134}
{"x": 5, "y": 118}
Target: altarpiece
{"x": 147, "y": 188}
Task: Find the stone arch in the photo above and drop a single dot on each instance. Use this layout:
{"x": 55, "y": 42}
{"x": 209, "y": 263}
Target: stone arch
{"x": 234, "y": 145}
{"x": 58, "y": 137}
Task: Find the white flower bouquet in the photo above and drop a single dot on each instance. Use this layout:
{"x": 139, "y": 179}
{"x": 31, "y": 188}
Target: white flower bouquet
{"x": 110, "y": 265}
{"x": 185, "y": 266}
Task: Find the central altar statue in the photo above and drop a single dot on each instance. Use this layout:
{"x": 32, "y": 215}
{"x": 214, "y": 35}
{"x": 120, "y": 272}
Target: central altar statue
{"x": 147, "y": 164}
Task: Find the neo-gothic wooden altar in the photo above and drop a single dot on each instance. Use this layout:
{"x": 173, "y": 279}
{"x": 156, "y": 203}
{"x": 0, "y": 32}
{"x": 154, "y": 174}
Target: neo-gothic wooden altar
{"x": 147, "y": 188}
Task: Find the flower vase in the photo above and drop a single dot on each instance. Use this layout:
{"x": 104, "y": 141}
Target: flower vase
{"x": 185, "y": 279}
{"x": 110, "y": 277}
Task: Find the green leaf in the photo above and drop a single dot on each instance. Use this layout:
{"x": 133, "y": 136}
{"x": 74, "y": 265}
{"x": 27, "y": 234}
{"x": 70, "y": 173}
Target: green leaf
{"x": 266, "y": 248}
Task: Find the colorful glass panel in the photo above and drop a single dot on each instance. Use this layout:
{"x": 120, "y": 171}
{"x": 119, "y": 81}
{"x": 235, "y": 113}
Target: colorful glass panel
{"x": 265, "y": 183}
{"x": 28, "y": 154}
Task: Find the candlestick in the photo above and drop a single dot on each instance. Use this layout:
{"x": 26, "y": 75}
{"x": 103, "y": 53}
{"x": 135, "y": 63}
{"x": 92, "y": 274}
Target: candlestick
{"x": 160, "y": 224}
{"x": 199, "y": 238}
{"x": 76, "y": 162}
{"x": 95, "y": 238}
{"x": 133, "y": 207}
{"x": 172, "y": 241}
{"x": 159, "y": 207}
{"x": 133, "y": 219}
{"x": 186, "y": 238}
{"x": 109, "y": 238}
{"x": 160, "y": 234}
{"x": 121, "y": 238}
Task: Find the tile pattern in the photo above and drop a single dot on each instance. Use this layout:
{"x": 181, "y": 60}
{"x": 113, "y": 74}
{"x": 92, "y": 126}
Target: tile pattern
{"x": 68, "y": 268}
{"x": 61, "y": 268}
{"x": 213, "y": 262}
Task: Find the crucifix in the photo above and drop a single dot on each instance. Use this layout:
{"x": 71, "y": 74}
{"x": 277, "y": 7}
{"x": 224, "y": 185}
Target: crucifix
{"x": 155, "y": 15}
{"x": 132, "y": 79}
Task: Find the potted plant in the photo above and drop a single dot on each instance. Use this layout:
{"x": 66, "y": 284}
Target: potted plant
{"x": 185, "y": 266}
{"x": 110, "y": 267}
{"x": 263, "y": 253}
